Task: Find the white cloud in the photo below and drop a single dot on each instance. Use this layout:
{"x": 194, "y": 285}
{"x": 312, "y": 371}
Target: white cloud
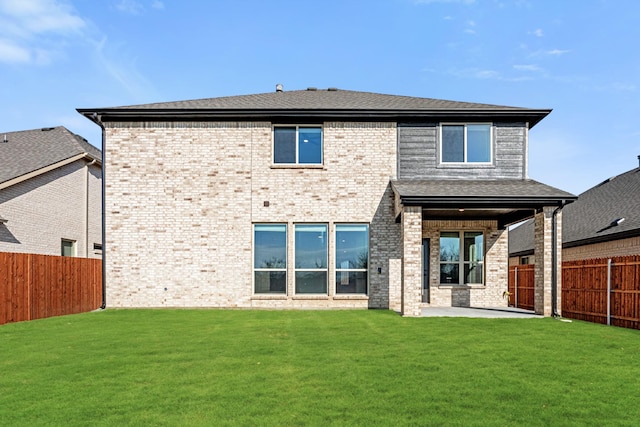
{"x": 616, "y": 87}
{"x": 34, "y": 30}
{"x": 39, "y": 16}
{"x": 131, "y": 7}
{"x": 537, "y": 32}
{"x": 527, "y": 67}
{"x": 444, "y": 1}
{"x": 550, "y": 52}
{"x": 11, "y": 53}
{"x": 123, "y": 69}
{"x": 157, "y": 4}
{"x": 557, "y": 52}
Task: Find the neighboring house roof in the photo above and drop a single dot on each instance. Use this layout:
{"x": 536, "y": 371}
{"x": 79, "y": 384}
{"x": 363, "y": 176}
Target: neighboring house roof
{"x": 513, "y": 199}
{"x": 30, "y": 152}
{"x": 594, "y": 217}
{"x": 324, "y": 104}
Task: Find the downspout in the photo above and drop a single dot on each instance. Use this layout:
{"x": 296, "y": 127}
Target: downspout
{"x": 97, "y": 119}
{"x": 554, "y": 260}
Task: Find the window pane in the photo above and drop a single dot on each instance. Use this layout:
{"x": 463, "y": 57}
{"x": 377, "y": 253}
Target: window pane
{"x": 284, "y": 145}
{"x": 270, "y": 246}
{"x": 311, "y": 246}
{"x": 453, "y": 143}
{"x": 351, "y": 282}
{"x": 473, "y": 246}
{"x": 473, "y": 273}
{"x": 310, "y": 145}
{"x": 449, "y": 246}
{"x": 68, "y": 248}
{"x": 311, "y": 282}
{"x": 478, "y": 143}
{"x": 352, "y": 246}
{"x": 270, "y": 282}
{"x": 449, "y": 273}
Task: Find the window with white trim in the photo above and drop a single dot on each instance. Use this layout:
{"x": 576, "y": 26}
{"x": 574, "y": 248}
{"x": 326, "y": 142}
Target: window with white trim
{"x": 311, "y": 259}
{"x": 461, "y": 257}
{"x": 68, "y": 247}
{"x": 297, "y": 145}
{"x": 352, "y": 258}
{"x": 270, "y": 258}
{"x": 465, "y": 143}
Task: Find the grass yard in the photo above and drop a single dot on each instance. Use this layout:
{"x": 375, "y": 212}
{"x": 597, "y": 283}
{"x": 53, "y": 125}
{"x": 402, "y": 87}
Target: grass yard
{"x": 223, "y": 367}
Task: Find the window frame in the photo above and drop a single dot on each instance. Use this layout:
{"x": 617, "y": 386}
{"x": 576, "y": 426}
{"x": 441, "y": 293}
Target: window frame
{"x": 74, "y": 247}
{"x": 272, "y": 269}
{"x": 297, "y": 269}
{"x": 297, "y": 144}
{"x": 465, "y": 125}
{"x": 462, "y": 262}
{"x": 351, "y": 270}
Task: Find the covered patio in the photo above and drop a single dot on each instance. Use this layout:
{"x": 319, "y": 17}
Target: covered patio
{"x": 455, "y": 241}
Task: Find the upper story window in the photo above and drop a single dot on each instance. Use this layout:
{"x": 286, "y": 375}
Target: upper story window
{"x": 297, "y": 145}
{"x": 465, "y": 143}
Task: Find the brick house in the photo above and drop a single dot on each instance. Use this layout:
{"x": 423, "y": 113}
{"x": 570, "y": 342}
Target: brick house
{"x": 50, "y": 193}
{"x": 604, "y": 222}
{"x": 318, "y": 199}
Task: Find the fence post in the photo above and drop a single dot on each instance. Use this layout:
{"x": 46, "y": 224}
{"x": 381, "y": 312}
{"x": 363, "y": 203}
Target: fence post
{"x": 515, "y": 289}
{"x": 609, "y": 292}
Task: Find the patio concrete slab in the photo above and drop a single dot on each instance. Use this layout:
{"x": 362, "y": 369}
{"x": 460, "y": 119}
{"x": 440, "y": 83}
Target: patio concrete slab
{"x": 482, "y": 312}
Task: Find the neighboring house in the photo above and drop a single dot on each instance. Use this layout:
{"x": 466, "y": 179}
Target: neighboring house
{"x": 604, "y": 222}
{"x": 318, "y": 199}
{"x": 50, "y": 193}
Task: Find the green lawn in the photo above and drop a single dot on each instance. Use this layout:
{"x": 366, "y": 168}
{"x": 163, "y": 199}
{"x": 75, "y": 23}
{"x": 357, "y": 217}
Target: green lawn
{"x": 223, "y": 367}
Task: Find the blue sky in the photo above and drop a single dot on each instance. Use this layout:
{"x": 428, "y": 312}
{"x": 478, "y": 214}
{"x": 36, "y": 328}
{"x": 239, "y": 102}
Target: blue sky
{"x": 579, "y": 57}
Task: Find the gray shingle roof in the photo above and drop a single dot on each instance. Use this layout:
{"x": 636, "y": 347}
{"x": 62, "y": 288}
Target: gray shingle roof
{"x": 480, "y": 189}
{"x": 327, "y": 103}
{"x": 30, "y": 150}
{"x": 321, "y": 100}
{"x": 590, "y": 218}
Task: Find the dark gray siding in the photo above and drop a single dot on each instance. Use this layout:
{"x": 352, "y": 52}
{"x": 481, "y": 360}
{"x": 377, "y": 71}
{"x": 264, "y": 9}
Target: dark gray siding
{"x": 418, "y": 154}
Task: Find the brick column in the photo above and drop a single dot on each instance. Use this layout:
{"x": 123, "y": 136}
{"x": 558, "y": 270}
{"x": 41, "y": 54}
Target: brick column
{"x": 543, "y": 251}
{"x": 411, "y": 261}
{"x": 559, "y": 261}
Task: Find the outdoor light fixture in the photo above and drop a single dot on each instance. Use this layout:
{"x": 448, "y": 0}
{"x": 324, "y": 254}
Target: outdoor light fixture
{"x": 3, "y": 221}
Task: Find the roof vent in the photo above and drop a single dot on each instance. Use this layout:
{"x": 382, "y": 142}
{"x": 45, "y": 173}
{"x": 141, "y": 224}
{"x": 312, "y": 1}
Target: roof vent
{"x": 279, "y": 88}
{"x": 332, "y": 89}
{"x": 312, "y": 88}
{"x": 46, "y": 129}
{"x": 4, "y": 139}
{"x": 617, "y": 222}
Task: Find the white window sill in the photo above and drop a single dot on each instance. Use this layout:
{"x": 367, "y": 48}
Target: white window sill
{"x": 297, "y": 166}
{"x": 456, "y": 286}
{"x": 269, "y": 297}
{"x": 351, "y": 297}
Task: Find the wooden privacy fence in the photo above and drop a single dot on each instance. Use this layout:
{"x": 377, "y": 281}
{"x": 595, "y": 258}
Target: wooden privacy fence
{"x": 38, "y": 286}
{"x": 603, "y": 290}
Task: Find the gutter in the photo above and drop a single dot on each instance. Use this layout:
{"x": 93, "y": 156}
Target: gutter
{"x": 172, "y": 114}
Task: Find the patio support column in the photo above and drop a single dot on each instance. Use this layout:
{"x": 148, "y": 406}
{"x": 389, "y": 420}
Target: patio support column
{"x": 545, "y": 258}
{"x": 411, "y": 261}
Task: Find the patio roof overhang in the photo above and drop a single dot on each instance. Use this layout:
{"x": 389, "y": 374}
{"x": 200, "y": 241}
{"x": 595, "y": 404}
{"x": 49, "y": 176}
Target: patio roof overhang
{"x": 507, "y": 201}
